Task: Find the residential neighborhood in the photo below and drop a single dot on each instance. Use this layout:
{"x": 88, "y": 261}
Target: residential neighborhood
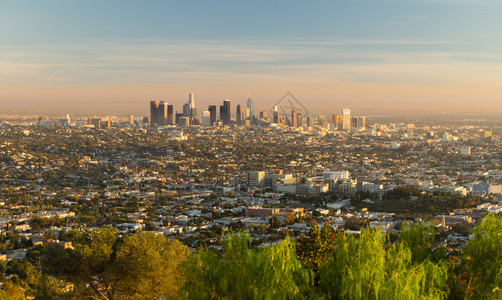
{"x": 271, "y": 181}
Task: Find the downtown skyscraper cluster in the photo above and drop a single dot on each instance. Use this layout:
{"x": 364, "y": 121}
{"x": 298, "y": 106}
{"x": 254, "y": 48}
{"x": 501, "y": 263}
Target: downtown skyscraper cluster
{"x": 162, "y": 114}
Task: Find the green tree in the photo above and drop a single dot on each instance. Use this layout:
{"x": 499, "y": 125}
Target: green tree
{"x": 274, "y": 222}
{"x": 482, "y": 261}
{"x": 49, "y": 288}
{"x": 24, "y": 270}
{"x": 418, "y": 239}
{"x": 242, "y": 273}
{"x": 312, "y": 249}
{"x": 290, "y": 218}
{"x": 363, "y": 268}
{"x": 146, "y": 266}
{"x": 87, "y": 261}
{"x": 12, "y": 291}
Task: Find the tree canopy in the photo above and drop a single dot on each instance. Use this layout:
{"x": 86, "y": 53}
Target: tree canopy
{"x": 324, "y": 264}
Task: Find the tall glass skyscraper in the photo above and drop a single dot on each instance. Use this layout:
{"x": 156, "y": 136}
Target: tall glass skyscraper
{"x": 162, "y": 113}
{"x": 238, "y": 117}
{"x": 158, "y": 113}
{"x": 170, "y": 115}
{"x": 154, "y": 113}
{"x": 250, "y": 109}
{"x": 212, "y": 116}
{"x": 225, "y": 112}
{"x": 192, "y": 111}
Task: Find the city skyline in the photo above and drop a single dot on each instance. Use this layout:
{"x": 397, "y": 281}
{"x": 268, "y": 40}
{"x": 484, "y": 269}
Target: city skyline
{"x": 164, "y": 114}
{"x": 226, "y": 149}
{"x": 391, "y": 55}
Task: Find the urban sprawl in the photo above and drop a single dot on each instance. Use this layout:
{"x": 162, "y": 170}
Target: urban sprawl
{"x": 194, "y": 176}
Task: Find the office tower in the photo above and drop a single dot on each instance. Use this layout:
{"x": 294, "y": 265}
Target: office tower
{"x": 170, "y": 115}
{"x": 250, "y": 109}
{"x": 131, "y": 120}
{"x": 361, "y": 122}
{"x": 65, "y": 121}
{"x": 300, "y": 120}
{"x": 146, "y": 120}
{"x": 47, "y": 123}
{"x": 95, "y": 121}
{"x": 195, "y": 121}
{"x": 162, "y": 119}
{"x": 206, "y": 118}
{"x": 212, "y": 111}
{"x": 346, "y": 119}
{"x": 225, "y": 112}
{"x": 191, "y": 103}
{"x": 276, "y": 116}
{"x": 263, "y": 115}
{"x": 238, "y": 116}
{"x": 186, "y": 109}
{"x": 353, "y": 123}
{"x": 105, "y": 124}
{"x": 154, "y": 113}
{"x": 192, "y": 111}
{"x": 158, "y": 113}
{"x": 178, "y": 116}
{"x": 310, "y": 121}
{"x": 294, "y": 118}
{"x": 256, "y": 178}
{"x": 184, "y": 121}
{"x": 465, "y": 151}
{"x": 338, "y": 120}
{"x": 226, "y": 103}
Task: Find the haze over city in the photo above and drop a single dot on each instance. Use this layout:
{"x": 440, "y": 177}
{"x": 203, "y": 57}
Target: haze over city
{"x": 115, "y": 56}
{"x": 251, "y": 149}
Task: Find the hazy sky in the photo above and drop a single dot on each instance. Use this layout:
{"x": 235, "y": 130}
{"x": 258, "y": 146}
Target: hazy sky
{"x": 117, "y": 55}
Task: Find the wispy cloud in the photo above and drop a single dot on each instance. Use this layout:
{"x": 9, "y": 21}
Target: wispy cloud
{"x": 466, "y": 2}
{"x": 152, "y": 61}
{"x": 413, "y": 17}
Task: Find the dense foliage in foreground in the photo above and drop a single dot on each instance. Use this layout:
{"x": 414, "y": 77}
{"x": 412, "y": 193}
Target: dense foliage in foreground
{"x": 323, "y": 265}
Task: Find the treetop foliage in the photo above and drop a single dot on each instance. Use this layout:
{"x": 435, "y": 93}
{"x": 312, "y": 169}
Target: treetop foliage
{"x": 322, "y": 265}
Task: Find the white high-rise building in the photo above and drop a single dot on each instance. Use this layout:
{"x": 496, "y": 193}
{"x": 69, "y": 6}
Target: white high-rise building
{"x": 465, "y": 150}
{"x": 206, "y": 118}
{"x": 336, "y": 174}
{"x": 346, "y": 119}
